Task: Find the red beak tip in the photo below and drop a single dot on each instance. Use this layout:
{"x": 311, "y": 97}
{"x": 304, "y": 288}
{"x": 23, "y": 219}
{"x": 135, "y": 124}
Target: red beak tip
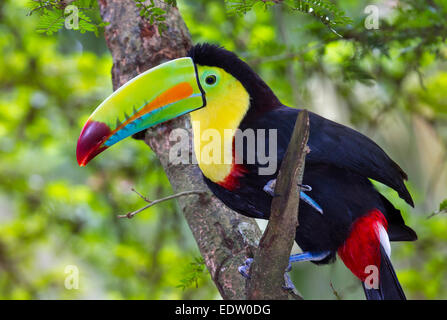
{"x": 91, "y": 140}
{"x": 82, "y": 163}
{"x": 81, "y": 159}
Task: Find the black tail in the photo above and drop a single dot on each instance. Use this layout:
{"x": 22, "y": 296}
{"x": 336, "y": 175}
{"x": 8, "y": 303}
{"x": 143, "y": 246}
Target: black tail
{"x": 389, "y": 286}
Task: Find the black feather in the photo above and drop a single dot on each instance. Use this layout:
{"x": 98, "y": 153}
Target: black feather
{"x": 260, "y": 93}
{"x": 389, "y": 286}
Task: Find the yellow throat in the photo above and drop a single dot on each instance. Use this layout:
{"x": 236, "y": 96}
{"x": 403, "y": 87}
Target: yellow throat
{"x": 214, "y": 126}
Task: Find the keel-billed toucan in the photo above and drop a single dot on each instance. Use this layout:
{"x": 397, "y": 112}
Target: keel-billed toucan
{"x": 223, "y": 92}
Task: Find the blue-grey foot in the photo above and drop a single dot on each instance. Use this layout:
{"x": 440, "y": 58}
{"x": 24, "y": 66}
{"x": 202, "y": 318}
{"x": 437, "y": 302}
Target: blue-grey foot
{"x": 288, "y": 284}
{"x": 270, "y": 189}
{"x": 305, "y": 256}
{"x": 244, "y": 270}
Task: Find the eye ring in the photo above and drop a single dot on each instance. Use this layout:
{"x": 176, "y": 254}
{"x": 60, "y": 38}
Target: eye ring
{"x": 211, "y": 79}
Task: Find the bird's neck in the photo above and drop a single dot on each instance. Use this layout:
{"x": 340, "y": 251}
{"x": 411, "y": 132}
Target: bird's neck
{"x": 214, "y": 127}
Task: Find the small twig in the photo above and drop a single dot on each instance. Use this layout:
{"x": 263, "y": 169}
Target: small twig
{"x": 130, "y": 215}
{"x": 435, "y": 213}
{"x": 141, "y": 196}
{"x": 286, "y": 56}
{"x": 335, "y": 292}
{"x": 59, "y": 4}
{"x": 436, "y": 174}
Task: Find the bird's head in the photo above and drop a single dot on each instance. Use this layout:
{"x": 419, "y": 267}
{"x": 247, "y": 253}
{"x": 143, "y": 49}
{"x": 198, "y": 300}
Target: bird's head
{"x": 208, "y": 78}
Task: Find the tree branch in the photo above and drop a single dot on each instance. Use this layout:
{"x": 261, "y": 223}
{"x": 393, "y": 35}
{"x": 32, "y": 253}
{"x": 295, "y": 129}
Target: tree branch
{"x": 130, "y": 215}
{"x": 272, "y": 257}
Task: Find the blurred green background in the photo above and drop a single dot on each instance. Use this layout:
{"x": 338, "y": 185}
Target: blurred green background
{"x": 389, "y": 83}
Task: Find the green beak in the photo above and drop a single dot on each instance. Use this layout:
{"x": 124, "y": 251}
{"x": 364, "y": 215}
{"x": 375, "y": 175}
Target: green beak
{"x": 155, "y": 96}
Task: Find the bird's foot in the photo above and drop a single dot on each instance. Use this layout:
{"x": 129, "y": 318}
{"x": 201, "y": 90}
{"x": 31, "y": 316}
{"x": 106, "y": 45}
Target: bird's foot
{"x": 244, "y": 270}
{"x": 270, "y": 189}
{"x": 305, "y": 256}
{"x": 288, "y": 284}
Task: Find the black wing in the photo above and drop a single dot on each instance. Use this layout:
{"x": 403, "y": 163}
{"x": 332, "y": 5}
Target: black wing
{"x": 335, "y": 144}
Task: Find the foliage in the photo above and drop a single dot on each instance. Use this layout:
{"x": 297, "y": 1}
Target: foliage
{"x": 155, "y": 14}
{"x": 193, "y": 273}
{"x": 323, "y": 10}
{"x": 443, "y": 206}
{"x": 53, "y": 14}
{"x": 442, "y": 209}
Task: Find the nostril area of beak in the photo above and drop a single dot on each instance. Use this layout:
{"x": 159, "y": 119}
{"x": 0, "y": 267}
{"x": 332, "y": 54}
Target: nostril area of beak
{"x": 90, "y": 141}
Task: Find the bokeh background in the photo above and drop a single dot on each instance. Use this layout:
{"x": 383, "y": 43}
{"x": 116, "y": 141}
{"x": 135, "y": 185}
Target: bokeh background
{"x": 389, "y": 83}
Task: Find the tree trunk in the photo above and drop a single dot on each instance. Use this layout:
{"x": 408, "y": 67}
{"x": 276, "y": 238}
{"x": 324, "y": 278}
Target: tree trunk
{"x": 224, "y": 237}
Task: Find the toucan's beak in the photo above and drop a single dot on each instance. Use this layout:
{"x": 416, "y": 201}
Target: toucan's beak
{"x": 155, "y": 96}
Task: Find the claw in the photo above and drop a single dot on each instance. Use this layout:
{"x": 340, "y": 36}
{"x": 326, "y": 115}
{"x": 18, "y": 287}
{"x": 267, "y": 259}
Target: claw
{"x": 310, "y": 202}
{"x": 270, "y": 189}
{"x": 245, "y": 268}
{"x": 305, "y": 256}
{"x": 305, "y": 187}
{"x": 288, "y": 284}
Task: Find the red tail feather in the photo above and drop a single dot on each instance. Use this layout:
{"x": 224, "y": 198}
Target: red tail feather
{"x": 362, "y": 248}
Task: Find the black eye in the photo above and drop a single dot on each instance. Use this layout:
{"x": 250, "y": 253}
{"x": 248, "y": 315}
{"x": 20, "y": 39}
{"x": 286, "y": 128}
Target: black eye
{"x": 211, "y": 79}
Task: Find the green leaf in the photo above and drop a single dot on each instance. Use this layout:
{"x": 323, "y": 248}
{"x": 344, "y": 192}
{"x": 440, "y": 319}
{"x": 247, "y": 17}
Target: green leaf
{"x": 52, "y": 16}
{"x": 50, "y": 22}
{"x": 443, "y": 205}
{"x": 158, "y": 11}
{"x": 324, "y": 10}
{"x": 193, "y": 272}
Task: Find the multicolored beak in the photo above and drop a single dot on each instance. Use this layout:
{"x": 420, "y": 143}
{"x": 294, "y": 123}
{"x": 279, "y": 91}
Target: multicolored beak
{"x": 155, "y": 96}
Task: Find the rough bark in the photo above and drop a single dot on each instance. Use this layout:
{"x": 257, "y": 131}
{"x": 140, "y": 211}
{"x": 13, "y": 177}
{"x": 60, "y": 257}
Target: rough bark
{"x": 224, "y": 238}
{"x": 277, "y": 240}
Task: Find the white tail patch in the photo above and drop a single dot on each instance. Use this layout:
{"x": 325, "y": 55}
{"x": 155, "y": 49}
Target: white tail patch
{"x": 384, "y": 239}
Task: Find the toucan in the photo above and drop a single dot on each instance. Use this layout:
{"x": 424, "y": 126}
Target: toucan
{"x": 343, "y": 213}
